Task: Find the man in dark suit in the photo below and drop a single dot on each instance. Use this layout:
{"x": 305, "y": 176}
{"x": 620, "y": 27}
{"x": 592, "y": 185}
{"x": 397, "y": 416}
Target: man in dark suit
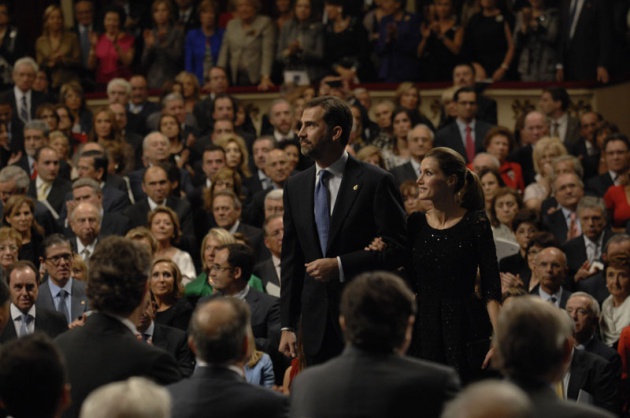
{"x": 34, "y": 136}
{"x": 616, "y": 154}
{"x": 588, "y": 248}
{"x": 219, "y": 339}
{"x": 591, "y": 374}
{"x": 373, "y": 378}
{"x": 551, "y": 267}
{"x": 467, "y": 133}
{"x": 554, "y": 102}
{"x": 49, "y": 188}
{"x": 15, "y": 127}
{"x": 535, "y": 127}
{"x": 5, "y": 303}
{"x": 139, "y": 105}
{"x": 325, "y": 235}
{"x": 217, "y": 84}
{"x": 278, "y": 170}
{"x": 123, "y": 118}
{"x": 233, "y": 266}
{"x": 564, "y": 223}
{"x": 24, "y": 100}
{"x": 23, "y": 278}
{"x": 464, "y": 76}
{"x": 586, "y": 148}
{"x": 84, "y": 27}
{"x": 85, "y": 222}
{"x": 533, "y": 347}
{"x": 259, "y": 180}
{"x": 60, "y": 292}
{"x": 269, "y": 270}
{"x": 106, "y": 349}
{"x": 419, "y": 141}
{"x": 212, "y": 160}
{"x": 585, "y": 43}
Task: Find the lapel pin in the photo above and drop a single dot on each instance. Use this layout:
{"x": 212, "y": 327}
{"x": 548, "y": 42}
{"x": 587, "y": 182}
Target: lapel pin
{"x": 356, "y": 187}
{"x": 82, "y": 302}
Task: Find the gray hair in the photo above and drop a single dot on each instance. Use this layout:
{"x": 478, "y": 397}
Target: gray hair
{"x": 28, "y": 61}
{"x": 279, "y": 101}
{"x": 171, "y": 97}
{"x": 275, "y": 194}
{"x": 490, "y": 398}
{"x": 577, "y": 165}
{"x": 616, "y": 239}
{"x": 422, "y": 125}
{"x": 591, "y": 202}
{"x": 128, "y": 399}
{"x": 17, "y": 174}
{"x": 119, "y": 82}
{"x": 594, "y": 305}
{"x": 87, "y": 182}
{"x": 495, "y": 161}
{"x": 579, "y": 181}
{"x": 149, "y": 137}
{"x": 37, "y": 125}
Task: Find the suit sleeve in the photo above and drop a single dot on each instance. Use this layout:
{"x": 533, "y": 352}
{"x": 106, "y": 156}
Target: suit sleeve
{"x": 164, "y": 369}
{"x": 389, "y": 218}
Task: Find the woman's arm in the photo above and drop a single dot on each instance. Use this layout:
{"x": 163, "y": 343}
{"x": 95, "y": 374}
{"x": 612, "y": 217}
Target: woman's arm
{"x": 499, "y": 73}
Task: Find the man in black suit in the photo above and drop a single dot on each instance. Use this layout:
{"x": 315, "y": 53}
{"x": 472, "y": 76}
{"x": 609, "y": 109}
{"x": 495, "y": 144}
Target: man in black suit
{"x": 467, "y": 133}
{"x": 269, "y": 270}
{"x": 219, "y": 339}
{"x": 217, "y": 84}
{"x": 280, "y": 120}
{"x": 84, "y": 27}
{"x": 123, "y": 119}
{"x": 33, "y": 380}
{"x": 554, "y": 102}
{"x": 85, "y": 222}
{"x": 139, "y": 105}
{"x": 373, "y": 377}
{"x": 616, "y": 154}
{"x": 212, "y": 160}
{"x": 533, "y": 347}
{"x": 588, "y": 248}
{"x": 233, "y": 266}
{"x": 61, "y": 292}
{"x": 419, "y": 141}
{"x": 49, "y": 188}
{"x": 325, "y": 236}
{"x": 464, "y": 76}
{"x": 259, "y": 180}
{"x": 586, "y": 148}
{"x": 584, "y": 310}
{"x": 15, "y": 127}
{"x": 585, "y": 44}
{"x": 35, "y": 134}
{"x": 26, "y": 317}
{"x": 564, "y": 223}
{"x": 106, "y": 349}
{"x": 24, "y": 100}
{"x": 535, "y": 126}
{"x": 227, "y": 209}
{"x": 551, "y": 267}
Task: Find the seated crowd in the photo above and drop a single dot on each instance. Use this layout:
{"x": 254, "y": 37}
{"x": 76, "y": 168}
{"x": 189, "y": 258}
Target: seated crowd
{"x": 196, "y": 189}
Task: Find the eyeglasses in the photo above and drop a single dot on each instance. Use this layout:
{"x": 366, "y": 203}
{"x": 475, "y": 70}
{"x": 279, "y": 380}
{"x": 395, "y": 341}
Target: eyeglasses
{"x": 216, "y": 267}
{"x": 56, "y": 259}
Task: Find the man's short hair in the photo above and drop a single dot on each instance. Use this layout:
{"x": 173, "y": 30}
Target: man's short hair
{"x": 159, "y": 166}
{"x": 592, "y": 202}
{"x": 242, "y": 256}
{"x": 54, "y": 239}
{"x": 118, "y": 274}
{"x": 32, "y": 377}
{"x": 88, "y": 182}
{"x": 149, "y": 136}
{"x": 376, "y": 307}
{"x": 278, "y": 101}
{"x": 530, "y": 338}
{"x": 135, "y": 397}
{"x": 228, "y": 193}
{"x": 274, "y": 142}
{"x": 99, "y": 159}
{"x": 17, "y": 174}
{"x": 214, "y": 148}
{"x": 119, "y": 82}
{"x": 171, "y": 97}
{"x": 21, "y": 265}
{"x": 464, "y": 90}
{"x": 275, "y": 194}
{"x": 592, "y": 302}
{"x": 336, "y": 113}
{"x": 39, "y": 150}
{"x": 616, "y": 239}
{"x": 223, "y": 96}
{"x": 219, "y": 340}
{"x": 28, "y": 61}
{"x": 577, "y": 165}
{"x": 616, "y": 137}
{"x": 37, "y": 125}
{"x": 559, "y": 94}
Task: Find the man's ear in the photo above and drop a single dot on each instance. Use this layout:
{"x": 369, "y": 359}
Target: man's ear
{"x": 191, "y": 345}
{"x": 342, "y": 323}
{"x": 238, "y": 273}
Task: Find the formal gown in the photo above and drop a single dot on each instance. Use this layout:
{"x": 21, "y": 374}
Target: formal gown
{"x": 452, "y": 326}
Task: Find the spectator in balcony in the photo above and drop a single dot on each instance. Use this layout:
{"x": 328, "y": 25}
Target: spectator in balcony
{"x": 301, "y": 43}
{"x": 163, "y": 46}
{"x": 203, "y": 44}
{"x": 57, "y": 49}
{"x": 11, "y": 42}
{"x": 488, "y": 40}
{"x": 346, "y": 45}
{"x": 535, "y": 36}
{"x": 112, "y": 52}
{"x": 441, "y": 44}
{"x": 248, "y": 46}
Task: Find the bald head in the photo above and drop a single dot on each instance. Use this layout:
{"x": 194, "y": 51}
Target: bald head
{"x": 490, "y": 399}
{"x": 551, "y": 265}
{"x": 534, "y": 127}
{"x": 85, "y": 222}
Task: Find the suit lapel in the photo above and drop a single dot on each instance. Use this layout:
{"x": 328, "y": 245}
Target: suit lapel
{"x": 348, "y": 191}
{"x": 576, "y": 379}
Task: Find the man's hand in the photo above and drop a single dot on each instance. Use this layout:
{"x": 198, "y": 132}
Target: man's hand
{"x": 324, "y": 269}
{"x": 585, "y": 272}
{"x": 288, "y": 344}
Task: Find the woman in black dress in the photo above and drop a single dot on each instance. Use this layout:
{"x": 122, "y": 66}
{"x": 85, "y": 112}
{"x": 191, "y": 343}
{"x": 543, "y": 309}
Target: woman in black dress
{"x": 450, "y": 243}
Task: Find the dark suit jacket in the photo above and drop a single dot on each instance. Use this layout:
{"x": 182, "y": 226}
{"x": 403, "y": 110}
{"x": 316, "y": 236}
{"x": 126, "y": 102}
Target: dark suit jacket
{"x": 596, "y": 346}
{"x": 79, "y": 303}
{"x": 112, "y": 224}
{"x": 363, "y": 384}
{"x": 49, "y": 322}
{"x": 557, "y": 225}
{"x": 486, "y": 109}
{"x": 573, "y": 132}
{"x": 589, "y": 162}
{"x": 368, "y": 205}
{"x": 175, "y": 342}
{"x": 256, "y": 240}
{"x": 265, "y": 319}
{"x": 546, "y": 403}
{"x": 37, "y": 99}
{"x": 138, "y": 124}
{"x": 450, "y": 136}
{"x": 137, "y": 213}
{"x": 523, "y": 156}
{"x": 597, "y": 186}
{"x": 105, "y": 351}
{"x": 225, "y": 394}
{"x": 575, "y": 250}
{"x": 595, "y": 375}
{"x": 592, "y": 43}
{"x": 564, "y": 297}
{"x": 266, "y": 271}
{"x": 56, "y": 197}
{"x": 594, "y": 286}
{"x": 404, "y": 172}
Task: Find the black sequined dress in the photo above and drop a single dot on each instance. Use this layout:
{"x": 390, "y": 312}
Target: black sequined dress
{"x": 452, "y": 326}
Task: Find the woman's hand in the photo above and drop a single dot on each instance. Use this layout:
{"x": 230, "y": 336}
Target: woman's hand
{"x": 488, "y": 360}
{"x": 265, "y": 83}
{"x": 509, "y": 280}
{"x": 498, "y": 75}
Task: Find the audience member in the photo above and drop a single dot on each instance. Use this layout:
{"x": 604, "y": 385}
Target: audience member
{"x": 166, "y": 287}
{"x": 535, "y": 126}
{"x": 564, "y": 223}
{"x": 18, "y": 213}
{"x": 554, "y": 103}
{"x": 464, "y": 76}
{"x": 270, "y": 270}
{"x": 544, "y": 152}
{"x": 616, "y": 307}
{"x": 499, "y": 142}
{"x": 203, "y": 44}
{"x": 10, "y": 245}
{"x": 419, "y": 142}
{"x": 490, "y": 399}
{"x": 505, "y": 205}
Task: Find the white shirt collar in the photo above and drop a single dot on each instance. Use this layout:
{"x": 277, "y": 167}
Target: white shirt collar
{"x": 81, "y": 247}
{"x": 152, "y": 204}
{"x": 335, "y": 168}
{"x": 16, "y": 313}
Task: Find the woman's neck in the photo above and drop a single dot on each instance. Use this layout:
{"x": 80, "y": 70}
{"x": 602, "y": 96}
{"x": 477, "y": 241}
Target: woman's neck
{"x": 444, "y": 211}
{"x": 26, "y": 236}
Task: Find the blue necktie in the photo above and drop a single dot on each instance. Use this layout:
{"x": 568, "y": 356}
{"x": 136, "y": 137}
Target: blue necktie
{"x": 322, "y": 210}
{"x": 26, "y": 319}
{"x": 62, "y": 307}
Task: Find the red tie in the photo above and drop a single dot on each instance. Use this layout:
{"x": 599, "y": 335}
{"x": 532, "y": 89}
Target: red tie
{"x": 470, "y": 144}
